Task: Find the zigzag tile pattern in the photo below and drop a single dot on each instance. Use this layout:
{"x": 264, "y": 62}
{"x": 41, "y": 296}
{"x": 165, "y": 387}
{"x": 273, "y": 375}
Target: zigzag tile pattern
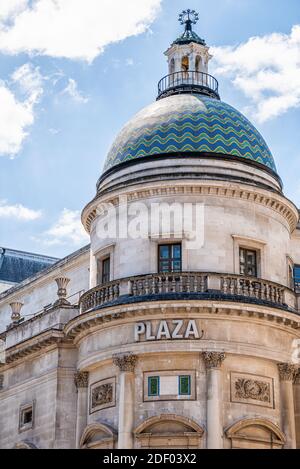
{"x": 189, "y": 123}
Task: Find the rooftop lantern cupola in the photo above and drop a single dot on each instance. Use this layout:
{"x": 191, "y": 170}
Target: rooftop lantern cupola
{"x": 188, "y": 58}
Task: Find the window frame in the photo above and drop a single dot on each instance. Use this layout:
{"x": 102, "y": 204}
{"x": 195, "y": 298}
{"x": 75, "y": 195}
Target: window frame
{"x": 157, "y": 377}
{"x": 170, "y": 259}
{"x": 23, "y": 410}
{"x": 252, "y": 251}
{"x": 179, "y": 385}
{"x": 103, "y": 261}
{"x": 296, "y": 279}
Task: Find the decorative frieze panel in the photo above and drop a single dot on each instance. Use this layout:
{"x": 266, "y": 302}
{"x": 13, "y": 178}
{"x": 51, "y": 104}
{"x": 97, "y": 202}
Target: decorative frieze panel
{"x": 252, "y": 389}
{"x": 103, "y": 394}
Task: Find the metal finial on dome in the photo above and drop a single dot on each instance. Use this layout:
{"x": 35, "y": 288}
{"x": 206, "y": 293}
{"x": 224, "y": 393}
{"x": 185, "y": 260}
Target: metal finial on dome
{"x": 188, "y": 17}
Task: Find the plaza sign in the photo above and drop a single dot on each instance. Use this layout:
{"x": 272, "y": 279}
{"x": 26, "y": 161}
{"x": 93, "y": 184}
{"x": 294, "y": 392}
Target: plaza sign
{"x": 175, "y": 329}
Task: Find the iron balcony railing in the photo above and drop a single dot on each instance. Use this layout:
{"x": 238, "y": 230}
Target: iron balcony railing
{"x": 228, "y": 285}
{"x": 188, "y": 82}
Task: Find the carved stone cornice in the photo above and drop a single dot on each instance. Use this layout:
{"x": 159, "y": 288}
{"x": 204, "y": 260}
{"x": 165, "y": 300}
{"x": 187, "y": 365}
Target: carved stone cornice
{"x": 274, "y": 201}
{"x": 81, "y": 379}
{"x": 125, "y": 361}
{"x": 287, "y": 371}
{"x": 213, "y": 359}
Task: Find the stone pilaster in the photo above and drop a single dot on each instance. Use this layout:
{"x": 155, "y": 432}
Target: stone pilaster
{"x": 126, "y": 363}
{"x": 213, "y": 362}
{"x": 287, "y": 373}
{"x": 81, "y": 380}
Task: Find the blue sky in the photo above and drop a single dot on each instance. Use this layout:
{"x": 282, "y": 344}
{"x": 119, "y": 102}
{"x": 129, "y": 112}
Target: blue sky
{"x": 67, "y": 88}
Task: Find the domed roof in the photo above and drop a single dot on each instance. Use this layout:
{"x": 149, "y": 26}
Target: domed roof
{"x": 188, "y": 124}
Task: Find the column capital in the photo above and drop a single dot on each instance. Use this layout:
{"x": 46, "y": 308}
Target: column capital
{"x": 125, "y": 361}
{"x": 287, "y": 371}
{"x": 81, "y": 379}
{"x": 213, "y": 359}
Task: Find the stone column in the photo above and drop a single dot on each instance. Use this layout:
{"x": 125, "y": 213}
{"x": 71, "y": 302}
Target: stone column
{"x": 126, "y": 363}
{"x": 81, "y": 380}
{"x": 287, "y": 374}
{"x": 213, "y": 362}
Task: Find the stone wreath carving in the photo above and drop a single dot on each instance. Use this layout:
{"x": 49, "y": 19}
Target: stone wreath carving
{"x": 102, "y": 395}
{"x": 252, "y": 389}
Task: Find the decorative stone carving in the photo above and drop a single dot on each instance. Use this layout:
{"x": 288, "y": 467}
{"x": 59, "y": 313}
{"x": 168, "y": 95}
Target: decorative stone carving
{"x": 287, "y": 371}
{"x": 103, "y": 394}
{"x": 62, "y": 283}
{"x": 252, "y": 389}
{"x": 1, "y": 381}
{"x": 213, "y": 359}
{"x": 125, "y": 361}
{"x": 81, "y": 379}
{"x": 16, "y": 311}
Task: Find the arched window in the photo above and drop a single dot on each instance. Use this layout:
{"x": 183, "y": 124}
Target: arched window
{"x": 169, "y": 431}
{"x": 255, "y": 434}
{"x": 185, "y": 64}
{"x": 198, "y": 64}
{"x": 172, "y": 66}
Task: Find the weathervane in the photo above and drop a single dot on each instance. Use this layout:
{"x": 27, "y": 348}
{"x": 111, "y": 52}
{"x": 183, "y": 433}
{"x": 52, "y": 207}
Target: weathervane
{"x": 188, "y": 17}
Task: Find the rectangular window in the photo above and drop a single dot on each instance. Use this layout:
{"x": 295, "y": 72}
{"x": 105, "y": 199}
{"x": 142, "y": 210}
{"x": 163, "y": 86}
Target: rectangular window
{"x": 153, "y": 386}
{"x": 184, "y": 385}
{"x": 169, "y": 258}
{"x": 248, "y": 262}
{"x": 106, "y": 270}
{"x": 297, "y": 277}
{"x": 26, "y": 417}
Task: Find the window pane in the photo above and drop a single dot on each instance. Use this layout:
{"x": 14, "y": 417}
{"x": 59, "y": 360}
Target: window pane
{"x": 176, "y": 266}
{"x": 165, "y": 266}
{"x": 184, "y": 385}
{"x": 177, "y": 251}
{"x": 248, "y": 262}
{"x": 164, "y": 252}
{"x": 106, "y": 270}
{"x": 153, "y": 386}
{"x": 297, "y": 276}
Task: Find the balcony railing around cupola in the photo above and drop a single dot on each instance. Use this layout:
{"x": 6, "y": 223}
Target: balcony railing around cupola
{"x": 189, "y": 285}
{"x": 188, "y": 82}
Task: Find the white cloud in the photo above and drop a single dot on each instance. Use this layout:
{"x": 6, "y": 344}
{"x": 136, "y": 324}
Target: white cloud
{"x": 18, "y": 212}
{"x": 74, "y": 29}
{"x": 73, "y": 91}
{"x": 10, "y": 8}
{"x": 266, "y": 69}
{"x": 15, "y": 115}
{"x": 67, "y": 229}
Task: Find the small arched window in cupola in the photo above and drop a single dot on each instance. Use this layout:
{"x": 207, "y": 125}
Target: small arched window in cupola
{"x": 185, "y": 63}
{"x": 198, "y": 64}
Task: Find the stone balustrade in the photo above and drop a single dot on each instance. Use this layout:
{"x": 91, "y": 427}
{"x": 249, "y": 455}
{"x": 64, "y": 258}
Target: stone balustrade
{"x": 253, "y": 288}
{"x": 206, "y": 285}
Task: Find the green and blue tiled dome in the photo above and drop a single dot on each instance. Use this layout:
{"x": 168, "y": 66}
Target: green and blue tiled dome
{"x": 189, "y": 124}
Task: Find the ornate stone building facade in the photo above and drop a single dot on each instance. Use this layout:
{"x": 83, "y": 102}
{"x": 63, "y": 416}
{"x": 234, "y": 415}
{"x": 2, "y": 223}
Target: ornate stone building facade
{"x": 151, "y": 341}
